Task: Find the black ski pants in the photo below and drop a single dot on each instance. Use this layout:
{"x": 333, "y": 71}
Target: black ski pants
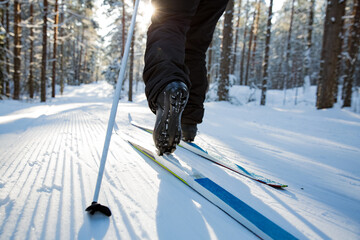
{"x": 177, "y": 40}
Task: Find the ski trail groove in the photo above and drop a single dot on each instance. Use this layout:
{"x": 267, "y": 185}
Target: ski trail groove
{"x": 28, "y": 178}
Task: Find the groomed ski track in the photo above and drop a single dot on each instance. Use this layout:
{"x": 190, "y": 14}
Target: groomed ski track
{"x": 50, "y": 153}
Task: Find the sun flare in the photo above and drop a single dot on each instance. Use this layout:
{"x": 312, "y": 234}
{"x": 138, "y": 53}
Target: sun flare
{"x": 146, "y": 10}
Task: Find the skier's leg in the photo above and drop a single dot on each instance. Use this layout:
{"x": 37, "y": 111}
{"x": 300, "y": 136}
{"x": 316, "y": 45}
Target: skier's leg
{"x": 165, "y": 47}
{"x": 165, "y": 73}
{"x": 198, "y": 39}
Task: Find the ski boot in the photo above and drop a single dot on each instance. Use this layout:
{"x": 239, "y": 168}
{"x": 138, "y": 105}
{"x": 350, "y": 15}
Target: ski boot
{"x": 170, "y": 105}
{"x": 188, "y": 132}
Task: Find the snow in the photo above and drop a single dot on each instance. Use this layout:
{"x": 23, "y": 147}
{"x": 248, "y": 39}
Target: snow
{"x": 50, "y": 153}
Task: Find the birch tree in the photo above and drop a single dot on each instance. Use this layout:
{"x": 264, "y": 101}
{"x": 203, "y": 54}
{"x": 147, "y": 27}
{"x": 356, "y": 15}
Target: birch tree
{"x": 266, "y": 56}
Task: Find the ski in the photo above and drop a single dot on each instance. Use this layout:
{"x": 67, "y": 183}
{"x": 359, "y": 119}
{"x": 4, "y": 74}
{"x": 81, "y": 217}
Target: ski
{"x": 222, "y": 162}
{"x": 247, "y": 216}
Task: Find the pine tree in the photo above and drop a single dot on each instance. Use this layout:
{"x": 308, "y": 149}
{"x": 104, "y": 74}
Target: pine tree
{"x": 56, "y": 21}
{"x": 131, "y": 72}
{"x": 236, "y": 37}
{"x": 353, "y": 48}
{"x": 17, "y": 49}
{"x": 251, "y": 37}
{"x": 244, "y": 44}
{"x": 31, "y": 64}
{"x": 225, "y": 64}
{"x": 7, "y": 50}
{"x": 44, "y": 53}
{"x": 288, "y": 61}
{"x": 331, "y": 49}
{"x": 2, "y": 53}
{"x": 62, "y": 48}
{"x": 256, "y": 29}
{"x": 307, "y": 60}
{"x": 123, "y": 29}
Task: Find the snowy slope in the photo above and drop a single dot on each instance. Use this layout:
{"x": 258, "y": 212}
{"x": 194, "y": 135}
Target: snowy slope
{"x": 50, "y": 153}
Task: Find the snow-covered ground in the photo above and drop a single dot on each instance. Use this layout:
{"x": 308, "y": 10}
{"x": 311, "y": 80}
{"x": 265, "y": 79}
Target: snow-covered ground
{"x": 50, "y": 153}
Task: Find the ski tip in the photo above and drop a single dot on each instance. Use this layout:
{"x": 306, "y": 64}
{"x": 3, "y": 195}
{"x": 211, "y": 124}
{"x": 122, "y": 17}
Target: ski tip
{"x": 134, "y": 145}
{"x": 276, "y": 185}
{"x": 282, "y": 186}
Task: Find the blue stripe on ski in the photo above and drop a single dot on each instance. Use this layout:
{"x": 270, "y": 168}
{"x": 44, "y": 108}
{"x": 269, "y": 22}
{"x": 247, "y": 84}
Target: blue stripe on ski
{"x": 197, "y": 147}
{"x": 256, "y": 218}
{"x": 243, "y": 169}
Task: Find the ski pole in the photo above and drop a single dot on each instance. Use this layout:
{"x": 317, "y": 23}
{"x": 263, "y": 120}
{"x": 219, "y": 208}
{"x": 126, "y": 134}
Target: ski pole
{"x": 95, "y": 206}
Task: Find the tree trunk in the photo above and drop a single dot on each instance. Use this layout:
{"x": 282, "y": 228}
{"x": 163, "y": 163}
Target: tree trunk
{"x": 7, "y": 49}
{"x": 331, "y": 48}
{"x": 256, "y": 28}
{"x": 131, "y": 72}
{"x": 249, "y": 49}
{"x": 353, "y": 48}
{"x": 17, "y": 49}
{"x": 236, "y": 38}
{"x": 76, "y": 60}
{"x": 62, "y": 57}
{"x": 244, "y": 45}
{"x": 85, "y": 71}
{"x": 288, "y": 64}
{"x": 223, "y": 89}
{"x": 44, "y": 54}
{"x": 266, "y": 57}
{"x": 78, "y": 79}
{"x": 339, "y": 65}
{"x": 123, "y": 30}
{"x": 307, "y": 60}
{"x": 56, "y": 21}
{"x": 31, "y": 76}
{"x": 2, "y": 55}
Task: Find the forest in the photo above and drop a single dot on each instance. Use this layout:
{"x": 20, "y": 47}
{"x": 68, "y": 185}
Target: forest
{"x": 277, "y": 151}
{"x": 50, "y": 43}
